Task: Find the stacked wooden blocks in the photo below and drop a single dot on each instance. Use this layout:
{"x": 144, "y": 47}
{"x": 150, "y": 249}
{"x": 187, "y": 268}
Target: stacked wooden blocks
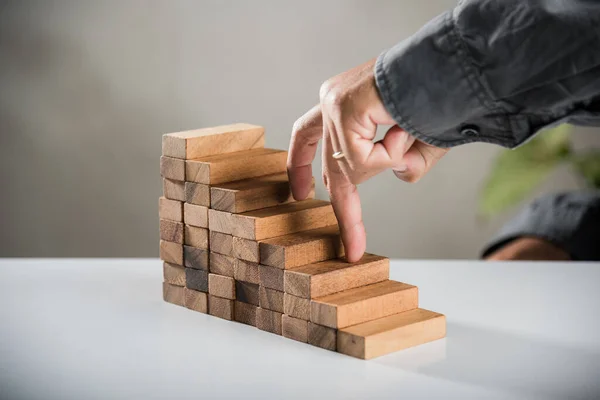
{"x": 236, "y": 245}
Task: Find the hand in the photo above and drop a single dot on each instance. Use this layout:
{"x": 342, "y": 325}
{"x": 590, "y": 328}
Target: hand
{"x": 347, "y": 117}
{"x": 529, "y": 249}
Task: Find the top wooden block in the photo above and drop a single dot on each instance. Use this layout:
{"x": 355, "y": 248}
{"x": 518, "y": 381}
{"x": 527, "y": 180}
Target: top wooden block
{"x": 216, "y": 140}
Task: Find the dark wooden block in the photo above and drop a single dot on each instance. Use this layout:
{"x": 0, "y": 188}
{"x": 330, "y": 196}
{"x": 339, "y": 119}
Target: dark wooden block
{"x": 245, "y": 313}
{"x": 322, "y": 336}
{"x": 296, "y": 307}
{"x": 270, "y": 299}
{"x": 196, "y": 279}
{"x": 221, "y": 243}
{"x": 171, "y": 231}
{"x": 247, "y": 292}
{"x": 196, "y": 258}
{"x": 246, "y": 271}
{"x": 221, "y": 264}
{"x": 271, "y": 277}
{"x": 269, "y": 321}
{"x": 197, "y": 193}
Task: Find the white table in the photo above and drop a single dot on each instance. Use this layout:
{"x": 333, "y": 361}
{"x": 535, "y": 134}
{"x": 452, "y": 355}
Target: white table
{"x": 98, "y": 329}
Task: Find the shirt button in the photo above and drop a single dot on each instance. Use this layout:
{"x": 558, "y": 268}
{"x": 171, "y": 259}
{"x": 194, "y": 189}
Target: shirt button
{"x": 469, "y": 130}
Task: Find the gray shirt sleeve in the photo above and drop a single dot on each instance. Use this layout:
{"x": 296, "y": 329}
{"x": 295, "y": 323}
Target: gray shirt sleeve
{"x": 495, "y": 71}
{"x": 569, "y": 220}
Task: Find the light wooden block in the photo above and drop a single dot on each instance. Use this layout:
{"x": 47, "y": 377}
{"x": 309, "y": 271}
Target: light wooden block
{"x": 174, "y": 274}
{"x": 221, "y": 286}
{"x": 395, "y": 332}
{"x": 269, "y": 321}
{"x": 221, "y": 168}
{"x": 219, "y": 307}
{"x": 245, "y": 249}
{"x": 196, "y": 237}
{"x": 332, "y": 276}
{"x": 221, "y": 243}
{"x": 363, "y": 304}
{"x": 196, "y": 279}
{"x": 296, "y": 307}
{"x": 196, "y": 258}
{"x": 215, "y": 140}
{"x": 270, "y": 299}
{"x": 253, "y": 194}
{"x": 271, "y": 277}
{"x": 170, "y": 209}
{"x": 294, "y": 328}
{"x": 171, "y": 231}
{"x": 246, "y": 271}
{"x": 172, "y": 168}
{"x": 171, "y": 252}
{"x": 302, "y": 248}
{"x": 197, "y": 193}
{"x": 245, "y": 313}
{"x": 195, "y": 215}
{"x": 322, "y": 336}
{"x": 220, "y": 221}
{"x": 174, "y": 190}
{"x": 282, "y": 220}
{"x": 197, "y": 301}
{"x": 173, "y": 294}
{"x": 221, "y": 264}
{"x": 247, "y": 292}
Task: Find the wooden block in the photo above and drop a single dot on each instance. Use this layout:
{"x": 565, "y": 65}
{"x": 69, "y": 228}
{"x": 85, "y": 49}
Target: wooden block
{"x": 283, "y": 220}
{"x": 172, "y": 168}
{"x": 196, "y": 237}
{"x": 171, "y": 252}
{"x": 220, "y": 221}
{"x": 215, "y": 140}
{"x": 269, "y": 321}
{"x": 174, "y": 190}
{"x": 322, "y": 336}
{"x": 221, "y": 264}
{"x": 171, "y": 231}
{"x": 296, "y": 307}
{"x": 197, "y": 301}
{"x": 221, "y": 286}
{"x": 294, "y": 328}
{"x": 332, "y": 276}
{"x": 245, "y": 249}
{"x": 173, "y": 294}
{"x": 395, "y": 332}
{"x": 270, "y": 299}
{"x": 197, "y": 193}
{"x": 247, "y": 292}
{"x": 363, "y": 304}
{"x": 195, "y": 258}
{"x": 170, "y": 209}
{"x": 245, "y": 313}
{"x": 246, "y": 271}
{"x": 174, "y": 274}
{"x": 221, "y": 243}
{"x": 196, "y": 279}
{"x": 253, "y": 194}
{"x": 213, "y": 170}
{"x": 219, "y": 307}
{"x": 271, "y": 277}
{"x": 302, "y": 248}
{"x": 195, "y": 215}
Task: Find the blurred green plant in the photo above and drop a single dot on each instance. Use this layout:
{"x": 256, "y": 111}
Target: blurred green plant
{"x": 516, "y": 173}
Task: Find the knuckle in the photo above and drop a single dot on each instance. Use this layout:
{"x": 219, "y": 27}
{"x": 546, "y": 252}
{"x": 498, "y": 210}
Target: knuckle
{"x": 330, "y": 94}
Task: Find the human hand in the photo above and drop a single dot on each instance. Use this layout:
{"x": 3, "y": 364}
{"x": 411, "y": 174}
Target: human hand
{"x": 347, "y": 117}
{"x": 529, "y": 249}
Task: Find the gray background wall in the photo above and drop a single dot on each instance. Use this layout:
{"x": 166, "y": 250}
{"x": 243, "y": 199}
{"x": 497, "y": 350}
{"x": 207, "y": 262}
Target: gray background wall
{"x": 87, "y": 89}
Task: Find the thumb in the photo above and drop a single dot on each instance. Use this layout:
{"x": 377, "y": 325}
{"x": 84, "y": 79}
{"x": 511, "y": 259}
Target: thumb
{"x": 418, "y": 160}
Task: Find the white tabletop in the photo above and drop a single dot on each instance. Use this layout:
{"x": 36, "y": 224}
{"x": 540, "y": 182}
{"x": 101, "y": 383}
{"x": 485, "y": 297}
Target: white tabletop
{"x": 98, "y": 329}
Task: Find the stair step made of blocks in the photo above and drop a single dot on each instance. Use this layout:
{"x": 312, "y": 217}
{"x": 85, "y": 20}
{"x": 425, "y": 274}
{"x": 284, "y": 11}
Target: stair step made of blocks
{"x": 327, "y": 277}
{"x": 283, "y": 220}
{"x": 389, "y": 334}
{"x": 221, "y": 168}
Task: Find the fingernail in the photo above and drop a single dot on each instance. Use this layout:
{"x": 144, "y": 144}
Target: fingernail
{"x": 401, "y": 169}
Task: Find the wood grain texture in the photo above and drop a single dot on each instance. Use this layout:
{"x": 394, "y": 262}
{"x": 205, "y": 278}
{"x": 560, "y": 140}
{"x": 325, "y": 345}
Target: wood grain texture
{"x": 253, "y": 194}
{"x": 269, "y": 321}
{"x": 195, "y": 215}
{"x": 196, "y": 279}
{"x": 195, "y": 258}
{"x": 221, "y": 243}
{"x": 284, "y": 219}
{"x": 245, "y": 313}
{"x": 221, "y": 168}
{"x": 296, "y": 307}
{"x": 196, "y": 237}
{"x": 245, "y": 249}
{"x": 174, "y": 190}
{"x": 322, "y": 336}
{"x": 221, "y": 264}
{"x": 171, "y": 252}
{"x": 302, "y": 248}
{"x": 170, "y": 209}
{"x": 332, "y": 276}
{"x": 172, "y": 168}
{"x": 195, "y": 300}
{"x": 219, "y": 307}
{"x": 174, "y": 274}
{"x": 270, "y": 299}
{"x": 171, "y": 231}
{"x": 247, "y": 292}
{"x": 214, "y": 140}
{"x": 246, "y": 271}
{"x": 271, "y": 277}
{"x": 197, "y": 193}
{"x": 221, "y": 286}
{"x": 363, "y": 304}
{"x": 395, "y": 332}
{"x": 294, "y": 328}
{"x": 220, "y": 221}
{"x": 173, "y": 294}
